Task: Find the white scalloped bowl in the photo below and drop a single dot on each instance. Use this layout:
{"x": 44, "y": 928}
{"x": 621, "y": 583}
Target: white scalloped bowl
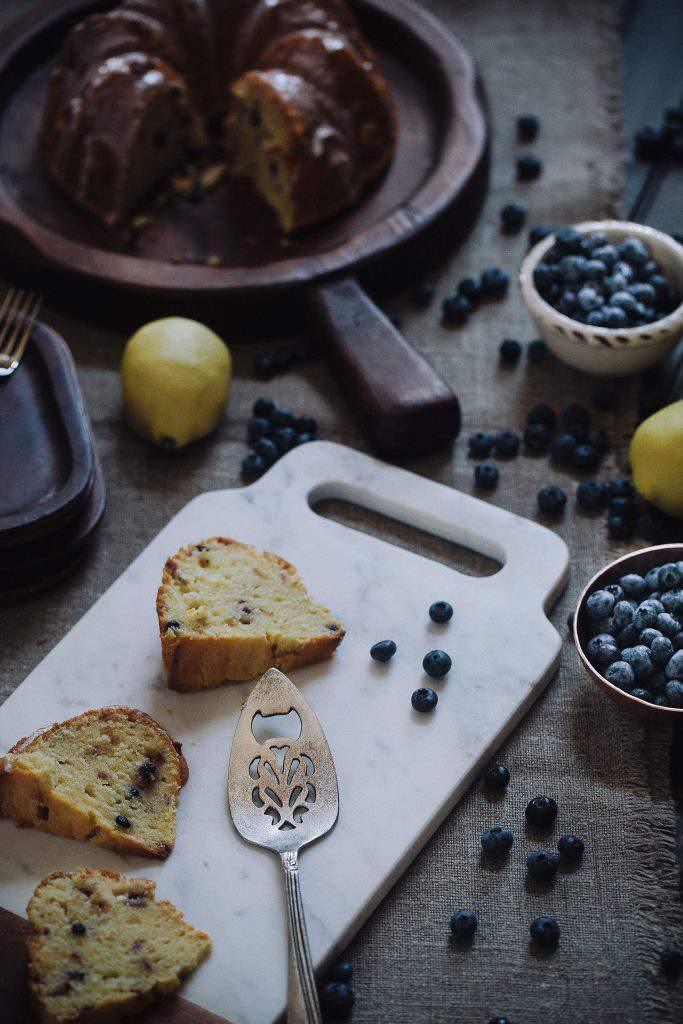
{"x": 600, "y": 350}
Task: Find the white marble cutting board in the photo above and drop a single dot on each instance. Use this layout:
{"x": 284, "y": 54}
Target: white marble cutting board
{"x": 399, "y": 772}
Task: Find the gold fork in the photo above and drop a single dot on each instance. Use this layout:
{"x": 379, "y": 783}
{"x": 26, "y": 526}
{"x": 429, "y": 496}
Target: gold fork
{"x": 18, "y": 314}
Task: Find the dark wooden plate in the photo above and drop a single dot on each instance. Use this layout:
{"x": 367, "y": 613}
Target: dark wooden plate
{"x": 45, "y": 445}
{"x": 425, "y": 203}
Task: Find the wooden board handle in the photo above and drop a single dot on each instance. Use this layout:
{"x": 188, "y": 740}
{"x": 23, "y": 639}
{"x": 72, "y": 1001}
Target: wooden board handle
{"x": 406, "y": 407}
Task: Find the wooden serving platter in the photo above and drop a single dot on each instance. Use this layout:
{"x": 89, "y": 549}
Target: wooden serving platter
{"x": 424, "y": 205}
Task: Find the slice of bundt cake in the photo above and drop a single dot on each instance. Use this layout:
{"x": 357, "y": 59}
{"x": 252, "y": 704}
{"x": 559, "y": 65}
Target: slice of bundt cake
{"x": 110, "y": 776}
{"x": 104, "y": 947}
{"x": 229, "y": 612}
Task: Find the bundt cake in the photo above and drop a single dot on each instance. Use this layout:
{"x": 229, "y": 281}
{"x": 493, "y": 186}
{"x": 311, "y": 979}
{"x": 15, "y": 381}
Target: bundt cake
{"x": 228, "y": 611}
{"x": 306, "y": 111}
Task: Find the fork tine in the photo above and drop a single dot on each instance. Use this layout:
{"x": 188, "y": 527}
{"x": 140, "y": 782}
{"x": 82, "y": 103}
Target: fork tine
{"x": 8, "y": 322}
{"x": 20, "y": 314}
{"x": 9, "y": 295}
{"x": 35, "y": 301}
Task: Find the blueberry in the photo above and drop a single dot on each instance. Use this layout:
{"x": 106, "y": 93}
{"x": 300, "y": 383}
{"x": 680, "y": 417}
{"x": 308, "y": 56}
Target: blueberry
{"x": 528, "y": 126}
{"x": 668, "y": 625}
{"x": 542, "y": 865}
{"x": 252, "y": 467}
{"x": 536, "y": 438}
{"x": 441, "y": 611}
{"x": 304, "y": 439}
{"x": 306, "y": 425}
{"x": 528, "y": 167}
{"x": 633, "y": 251}
{"x": 463, "y": 924}
{"x": 666, "y": 298}
{"x": 122, "y": 821}
{"x": 588, "y": 299}
{"x": 263, "y": 366}
{"x": 512, "y": 217}
{"x": 657, "y": 681}
{"x": 541, "y": 811}
{"x": 538, "y": 233}
{"x": 620, "y": 674}
{"x": 576, "y": 420}
{"x": 267, "y": 451}
{"x": 623, "y": 615}
{"x": 571, "y": 848}
{"x": 633, "y": 585}
{"x": 510, "y": 350}
{"x": 494, "y": 282}
{"x": 614, "y": 589}
{"x": 538, "y": 350}
{"x": 625, "y": 270}
{"x": 594, "y": 270}
{"x": 506, "y": 444}
{"x": 563, "y": 448}
{"x": 600, "y": 604}
{"x": 586, "y": 457}
{"x": 596, "y": 318}
{"x": 627, "y": 637}
{"x": 596, "y": 240}
{"x": 545, "y": 932}
{"x": 285, "y": 439}
{"x": 544, "y": 276}
{"x": 424, "y": 699}
{"x": 591, "y": 495}
{"x": 283, "y": 418}
{"x": 497, "y": 777}
{"x": 568, "y": 305}
{"x": 642, "y": 694}
{"x": 621, "y": 507}
{"x": 568, "y": 240}
{"x": 455, "y": 310}
{"x": 644, "y": 293}
{"x": 648, "y": 636}
{"x": 471, "y": 288}
{"x": 480, "y": 444}
{"x": 342, "y": 971}
{"x": 671, "y": 960}
{"x": 620, "y": 487}
{"x": 78, "y": 929}
{"x": 639, "y": 659}
{"x": 337, "y": 998}
{"x": 544, "y": 415}
{"x": 383, "y": 650}
{"x": 674, "y": 668}
{"x": 551, "y": 501}
{"x": 423, "y": 295}
{"x": 496, "y": 842}
{"x": 607, "y": 254}
{"x": 673, "y": 602}
{"x": 436, "y": 664}
{"x": 652, "y": 578}
{"x": 486, "y": 476}
{"x": 258, "y": 428}
{"x": 678, "y": 641}
{"x": 570, "y": 622}
{"x": 661, "y": 650}
{"x": 627, "y": 302}
{"x": 670, "y": 577}
{"x": 615, "y": 318}
{"x": 571, "y": 268}
{"x": 674, "y": 694}
{"x": 263, "y": 408}
{"x": 646, "y": 614}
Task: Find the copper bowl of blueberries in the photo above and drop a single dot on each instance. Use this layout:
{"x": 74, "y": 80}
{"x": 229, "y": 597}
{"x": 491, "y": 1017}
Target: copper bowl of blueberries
{"x": 628, "y": 630}
{"x": 606, "y": 295}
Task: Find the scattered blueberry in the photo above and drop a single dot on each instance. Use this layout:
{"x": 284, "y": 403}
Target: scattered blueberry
{"x": 285, "y": 439}
{"x": 263, "y": 408}
{"x": 585, "y": 457}
{"x": 383, "y": 650}
{"x": 424, "y": 699}
{"x": 563, "y": 448}
{"x": 541, "y": 811}
{"x": 598, "y": 440}
{"x": 537, "y": 351}
{"x": 571, "y": 848}
{"x": 441, "y": 611}
{"x": 551, "y": 501}
{"x": 436, "y": 664}
{"x": 528, "y": 127}
{"x": 538, "y": 233}
{"x": 283, "y": 418}
{"x": 545, "y": 932}
{"x": 494, "y": 283}
{"x": 496, "y": 842}
{"x": 455, "y": 310}
{"x": 257, "y": 428}
{"x": 423, "y": 295}
{"x": 510, "y": 351}
{"x": 544, "y": 415}
{"x": 463, "y": 924}
{"x": 253, "y": 466}
{"x": 486, "y": 476}
{"x": 512, "y": 217}
{"x": 472, "y": 290}
{"x": 536, "y": 438}
{"x": 337, "y": 998}
{"x": 497, "y": 777}
{"x": 306, "y": 425}
{"x": 342, "y": 971}
{"x": 591, "y": 495}
{"x": 620, "y": 527}
{"x": 506, "y": 444}
{"x": 528, "y": 167}
{"x": 542, "y": 865}
{"x": 480, "y": 444}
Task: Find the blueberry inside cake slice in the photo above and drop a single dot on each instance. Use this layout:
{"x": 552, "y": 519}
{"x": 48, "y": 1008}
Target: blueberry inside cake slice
{"x": 110, "y": 776}
{"x": 103, "y": 946}
{"x": 228, "y": 611}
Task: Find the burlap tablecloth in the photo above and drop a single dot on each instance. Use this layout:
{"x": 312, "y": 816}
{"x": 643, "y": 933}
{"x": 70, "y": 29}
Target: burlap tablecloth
{"x": 608, "y": 772}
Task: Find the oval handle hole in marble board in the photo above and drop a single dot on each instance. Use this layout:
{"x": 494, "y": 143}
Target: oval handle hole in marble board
{"x": 271, "y": 727}
{"x": 402, "y": 535}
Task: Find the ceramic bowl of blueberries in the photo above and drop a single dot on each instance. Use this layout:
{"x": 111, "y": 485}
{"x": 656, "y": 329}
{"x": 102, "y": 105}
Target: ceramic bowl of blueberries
{"x": 606, "y": 295}
{"x": 628, "y": 630}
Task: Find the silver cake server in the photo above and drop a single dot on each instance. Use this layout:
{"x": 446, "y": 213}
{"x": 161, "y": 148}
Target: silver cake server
{"x": 283, "y": 794}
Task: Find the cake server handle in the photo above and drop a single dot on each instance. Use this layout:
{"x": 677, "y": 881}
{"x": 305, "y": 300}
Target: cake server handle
{"x": 302, "y": 994}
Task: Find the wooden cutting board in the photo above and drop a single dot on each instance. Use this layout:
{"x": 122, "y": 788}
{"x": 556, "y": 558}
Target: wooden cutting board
{"x": 399, "y": 772}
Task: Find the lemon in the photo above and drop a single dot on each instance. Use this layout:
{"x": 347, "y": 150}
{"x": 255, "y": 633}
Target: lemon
{"x": 657, "y": 459}
{"x": 175, "y": 379}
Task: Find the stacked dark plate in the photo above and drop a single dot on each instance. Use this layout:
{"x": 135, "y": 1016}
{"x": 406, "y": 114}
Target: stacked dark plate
{"x": 51, "y": 484}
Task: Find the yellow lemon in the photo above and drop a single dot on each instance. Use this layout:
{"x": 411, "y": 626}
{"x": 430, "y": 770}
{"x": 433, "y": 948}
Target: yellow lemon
{"x": 175, "y": 378}
{"x": 657, "y": 459}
